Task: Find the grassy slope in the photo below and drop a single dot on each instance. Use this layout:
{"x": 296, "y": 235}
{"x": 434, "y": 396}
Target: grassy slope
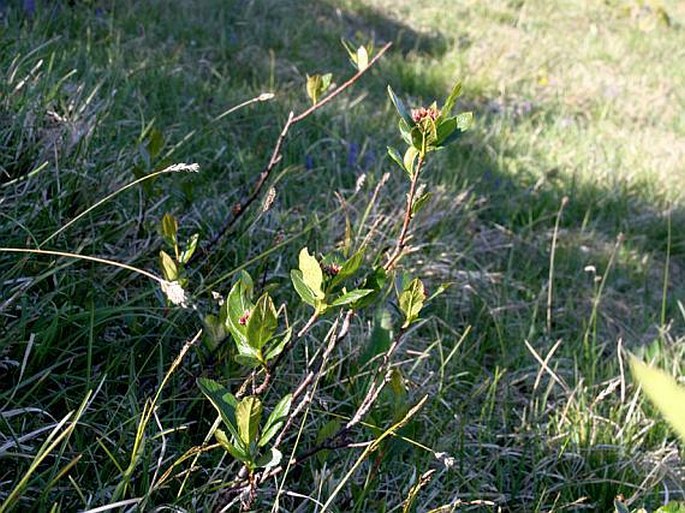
{"x": 576, "y": 100}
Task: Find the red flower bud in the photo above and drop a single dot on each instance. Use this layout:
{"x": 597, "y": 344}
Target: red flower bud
{"x": 243, "y": 318}
{"x": 331, "y": 269}
{"x": 418, "y": 115}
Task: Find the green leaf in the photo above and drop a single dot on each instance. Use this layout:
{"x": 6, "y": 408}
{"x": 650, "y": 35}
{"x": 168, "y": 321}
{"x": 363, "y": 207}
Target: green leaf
{"x": 432, "y": 127}
{"x": 234, "y": 451}
{"x": 409, "y": 160}
{"x": 248, "y": 414}
{"x": 350, "y": 50}
{"x": 248, "y": 357}
{"x": 306, "y": 294}
{"x": 405, "y": 131}
{"x": 313, "y": 86}
{"x": 262, "y": 322}
{"x": 401, "y": 109}
{"x": 326, "y": 82}
{"x": 271, "y": 459}
{"x": 359, "y": 57}
{"x": 664, "y": 391}
{"x": 237, "y": 305}
{"x": 396, "y": 157}
{"x": 276, "y": 420}
{"x": 445, "y": 128}
{"x": 191, "y": 246}
{"x": 454, "y": 128}
{"x": 452, "y": 99}
{"x": 352, "y": 265}
{"x": 329, "y": 429}
{"x": 349, "y": 268}
{"x": 411, "y": 301}
{"x": 317, "y": 85}
{"x": 351, "y": 297}
{"x": 224, "y": 402}
{"x": 169, "y": 268}
{"x": 312, "y": 275}
{"x": 420, "y": 202}
{"x": 417, "y": 136}
{"x": 397, "y": 386}
{"x": 247, "y": 284}
{"x": 277, "y": 348}
{"x": 169, "y": 229}
{"x": 362, "y": 58}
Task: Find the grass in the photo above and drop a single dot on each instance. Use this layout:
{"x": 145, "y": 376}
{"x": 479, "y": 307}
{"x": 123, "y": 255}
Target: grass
{"x": 580, "y": 100}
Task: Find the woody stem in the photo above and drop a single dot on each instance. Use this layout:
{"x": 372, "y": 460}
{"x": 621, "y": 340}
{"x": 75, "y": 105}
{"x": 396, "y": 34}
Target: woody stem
{"x": 402, "y": 238}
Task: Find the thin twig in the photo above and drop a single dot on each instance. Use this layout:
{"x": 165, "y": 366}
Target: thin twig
{"x": 314, "y": 375}
{"x": 240, "y": 207}
{"x": 338, "y": 439}
{"x": 402, "y": 238}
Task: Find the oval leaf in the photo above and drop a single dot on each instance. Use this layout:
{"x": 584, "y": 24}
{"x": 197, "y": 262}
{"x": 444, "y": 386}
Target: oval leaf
{"x": 411, "y": 301}
{"x": 396, "y": 157}
{"x": 224, "y": 442}
{"x": 362, "y": 58}
{"x": 451, "y": 99}
{"x": 349, "y": 268}
{"x": 399, "y": 106}
{"x": 409, "y": 159}
{"x": 248, "y": 357}
{"x": 277, "y": 348}
{"x": 311, "y": 273}
{"x": 305, "y": 293}
{"x": 169, "y": 267}
{"x": 224, "y": 402}
{"x": 351, "y": 297}
{"x": 191, "y": 246}
{"x": 237, "y": 305}
{"x": 420, "y": 202}
{"x": 262, "y": 322}
{"x": 248, "y": 414}
{"x": 276, "y": 419}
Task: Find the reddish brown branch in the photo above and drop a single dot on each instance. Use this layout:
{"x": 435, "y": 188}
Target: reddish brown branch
{"x": 402, "y": 238}
{"x": 241, "y": 206}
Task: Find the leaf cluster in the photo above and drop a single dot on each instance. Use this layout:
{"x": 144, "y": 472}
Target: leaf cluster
{"x": 246, "y": 436}
{"x": 427, "y": 129}
{"x": 252, "y": 325}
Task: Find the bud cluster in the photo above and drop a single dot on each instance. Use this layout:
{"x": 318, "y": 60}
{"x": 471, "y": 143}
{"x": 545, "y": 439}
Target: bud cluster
{"x": 422, "y": 113}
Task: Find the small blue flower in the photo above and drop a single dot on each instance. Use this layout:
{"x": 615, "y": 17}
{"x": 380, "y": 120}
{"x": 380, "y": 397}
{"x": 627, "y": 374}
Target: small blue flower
{"x": 30, "y": 7}
{"x": 352, "y": 154}
{"x": 308, "y": 162}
